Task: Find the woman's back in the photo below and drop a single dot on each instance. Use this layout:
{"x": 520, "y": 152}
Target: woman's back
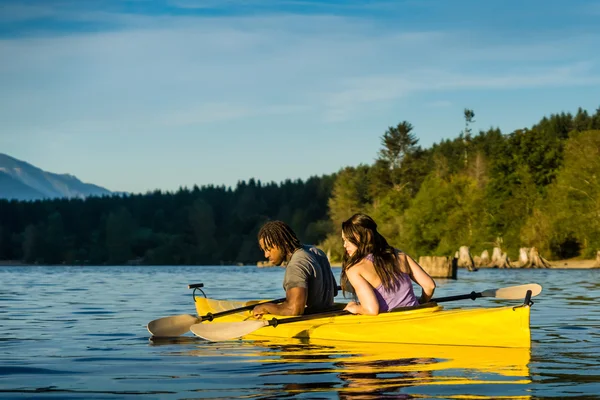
{"x": 380, "y": 276}
{"x": 401, "y": 294}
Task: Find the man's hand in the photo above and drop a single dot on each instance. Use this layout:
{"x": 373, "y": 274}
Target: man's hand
{"x": 293, "y": 305}
{"x": 259, "y": 311}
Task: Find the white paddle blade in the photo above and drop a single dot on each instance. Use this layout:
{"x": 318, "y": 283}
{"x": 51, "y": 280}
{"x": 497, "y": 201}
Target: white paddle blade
{"x": 513, "y": 292}
{"x": 175, "y": 325}
{"x": 217, "y": 332}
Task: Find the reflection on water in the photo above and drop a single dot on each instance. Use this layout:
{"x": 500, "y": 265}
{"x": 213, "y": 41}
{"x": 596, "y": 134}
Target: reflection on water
{"x": 79, "y": 333}
{"x": 300, "y": 366}
{"x": 376, "y": 369}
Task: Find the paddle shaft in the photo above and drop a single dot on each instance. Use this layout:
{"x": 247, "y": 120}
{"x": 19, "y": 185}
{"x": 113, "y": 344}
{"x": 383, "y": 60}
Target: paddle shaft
{"x": 211, "y": 316}
{"x": 274, "y": 321}
{"x": 506, "y": 293}
{"x": 472, "y": 296}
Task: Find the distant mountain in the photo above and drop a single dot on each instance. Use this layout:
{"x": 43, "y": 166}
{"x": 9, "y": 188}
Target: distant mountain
{"x": 22, "y": 181}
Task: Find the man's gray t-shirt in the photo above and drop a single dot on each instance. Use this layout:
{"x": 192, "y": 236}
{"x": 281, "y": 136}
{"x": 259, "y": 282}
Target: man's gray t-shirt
{"x": 309, "y": 268}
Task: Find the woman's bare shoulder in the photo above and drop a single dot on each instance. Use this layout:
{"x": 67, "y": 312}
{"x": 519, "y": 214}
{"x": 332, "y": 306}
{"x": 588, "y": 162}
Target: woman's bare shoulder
{"x": 361, "y": 266}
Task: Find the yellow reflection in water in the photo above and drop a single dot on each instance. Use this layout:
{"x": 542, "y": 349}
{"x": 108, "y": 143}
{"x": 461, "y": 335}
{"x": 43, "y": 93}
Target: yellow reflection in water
{"x": 377, "y": 368}
{"x": 371, "y": 370}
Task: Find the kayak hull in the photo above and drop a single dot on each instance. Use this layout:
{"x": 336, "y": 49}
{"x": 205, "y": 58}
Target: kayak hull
{"x": 497, "y": 327}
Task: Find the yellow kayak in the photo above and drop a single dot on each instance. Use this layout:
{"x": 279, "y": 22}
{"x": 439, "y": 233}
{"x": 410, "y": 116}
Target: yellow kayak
{"x": 430, "y": 324}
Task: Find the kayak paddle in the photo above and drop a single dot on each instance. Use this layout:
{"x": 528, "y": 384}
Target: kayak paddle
{"x": 231, "y": 330}
{"x": 507, "y": 293}
{"x": 177, "y": 325}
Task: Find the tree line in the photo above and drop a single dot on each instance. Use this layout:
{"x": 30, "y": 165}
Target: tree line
{"x": 535, "y": 187}
{"x": 207, "y": 225}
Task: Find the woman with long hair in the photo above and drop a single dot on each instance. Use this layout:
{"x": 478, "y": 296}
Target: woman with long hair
{"x": 376, "y": 273}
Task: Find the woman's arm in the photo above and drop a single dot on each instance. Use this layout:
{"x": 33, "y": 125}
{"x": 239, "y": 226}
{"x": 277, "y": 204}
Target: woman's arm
{"x": 422, "y": 278}
{"x": 367, "y": 302}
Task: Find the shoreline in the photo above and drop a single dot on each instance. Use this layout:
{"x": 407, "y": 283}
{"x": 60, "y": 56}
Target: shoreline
{"x": 574, "y": 264}
{"x": 558, "y": 264}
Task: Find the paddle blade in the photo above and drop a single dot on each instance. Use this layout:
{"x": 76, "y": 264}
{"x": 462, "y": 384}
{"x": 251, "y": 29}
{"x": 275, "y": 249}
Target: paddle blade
{"x": 172, "y": 326}
{"x": 513, "y": 292}
{"x": 217, "y": 332}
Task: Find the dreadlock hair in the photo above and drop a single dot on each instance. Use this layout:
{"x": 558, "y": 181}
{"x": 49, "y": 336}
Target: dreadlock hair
{"x": 391, "y": 267}
{"x": 278, "y": 234}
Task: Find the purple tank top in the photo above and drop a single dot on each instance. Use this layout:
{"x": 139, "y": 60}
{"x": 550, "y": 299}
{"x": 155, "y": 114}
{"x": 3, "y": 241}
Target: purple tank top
{"x": 404, "y": 296}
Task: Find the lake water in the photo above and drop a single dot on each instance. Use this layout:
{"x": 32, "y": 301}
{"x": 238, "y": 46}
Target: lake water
{"x": 79, "y": 333}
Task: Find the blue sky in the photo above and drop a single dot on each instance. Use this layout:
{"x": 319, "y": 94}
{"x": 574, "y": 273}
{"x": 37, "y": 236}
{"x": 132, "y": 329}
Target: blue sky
{"x": 137, "y": 95}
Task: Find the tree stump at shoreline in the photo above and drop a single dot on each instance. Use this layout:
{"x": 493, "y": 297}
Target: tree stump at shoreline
{"x": 439, "y": 267}
{"x": 523, "y": 256}
{"x": 531, "y": 258}
{"x": 465, "y": 260}
{"x": 500, "y": 259}
{"x": 597, "y": 260}
{"x": 484, "y": 260}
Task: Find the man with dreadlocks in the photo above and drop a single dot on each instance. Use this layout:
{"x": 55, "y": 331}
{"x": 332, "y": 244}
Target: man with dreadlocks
{"x": 309, "y": 283}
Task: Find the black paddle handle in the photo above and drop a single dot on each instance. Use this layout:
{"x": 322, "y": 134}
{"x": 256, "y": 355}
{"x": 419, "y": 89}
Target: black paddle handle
{"x": 274, "y": 321}
{"x": 211, "y": 316}
{"x": 195, "y": 285}
{"x": 472, "y": 296}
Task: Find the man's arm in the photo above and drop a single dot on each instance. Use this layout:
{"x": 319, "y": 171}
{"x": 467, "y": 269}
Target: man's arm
{"x": 294, "y": 304}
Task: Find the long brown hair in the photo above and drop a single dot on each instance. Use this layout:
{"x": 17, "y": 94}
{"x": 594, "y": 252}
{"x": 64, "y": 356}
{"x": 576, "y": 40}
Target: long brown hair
{"x": 390, "y": 266}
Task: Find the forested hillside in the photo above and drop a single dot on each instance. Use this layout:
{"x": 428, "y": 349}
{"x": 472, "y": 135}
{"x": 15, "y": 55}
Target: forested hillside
{"x": 208, "y": 225}
{"x": 538, "y": 186}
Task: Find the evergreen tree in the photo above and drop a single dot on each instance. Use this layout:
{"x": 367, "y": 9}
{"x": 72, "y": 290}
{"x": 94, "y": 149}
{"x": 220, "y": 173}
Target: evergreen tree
{"x": 466, "y": 135}
{"x": 397, "y": 142}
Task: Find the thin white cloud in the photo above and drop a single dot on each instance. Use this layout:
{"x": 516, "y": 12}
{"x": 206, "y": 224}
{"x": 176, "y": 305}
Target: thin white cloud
{"x": 208, "y": 4}
{"x": 125, "y": 75}
{"x": 364, "y": 90}
{"x": 233, "y": 67}
{"x": 215, "y": 112}
{"x": 223, "y": 4}
{"x": 14, "y": 12}
{"x": 440, "y": 104}
{"x": 160, "y": 78}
